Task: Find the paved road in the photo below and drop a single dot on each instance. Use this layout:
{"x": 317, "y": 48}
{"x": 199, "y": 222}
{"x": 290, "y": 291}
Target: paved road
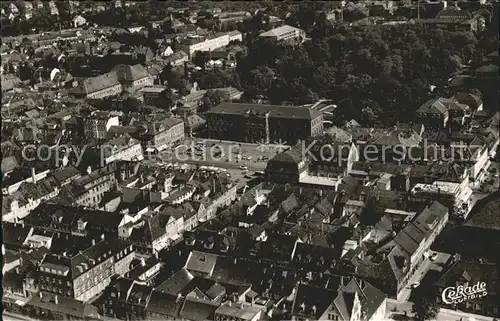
{"x": 237, "y": 175}
{"x": 451, "y": 315}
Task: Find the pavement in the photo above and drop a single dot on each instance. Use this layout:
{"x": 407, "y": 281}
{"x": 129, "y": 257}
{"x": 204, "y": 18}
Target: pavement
{"x": 223, "y": 154}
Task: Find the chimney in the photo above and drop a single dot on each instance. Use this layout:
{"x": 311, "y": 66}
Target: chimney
{"x": 33, "y": 175}
{"x": 229, "y": 303}
{"x": 56, "y": 299}
{"x": 93, "y": 242}
{"x": 143, "y": 262}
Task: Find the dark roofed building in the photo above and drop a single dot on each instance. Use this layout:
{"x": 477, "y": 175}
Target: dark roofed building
{"x": 433, "y": 113}
{"x": 64, "y": 273}
{"x": 287, "y": 166}
{"x": 263, "y": 123}
{"x": 475, "y": 102}
{"x": 63, "y": 308}
{"x": 344, "y": 300}
{"x": 15, "y": 235}
{"x": 102, "y": 86}
{"x": 80, "y": 221}
{"x": 163, "y": 306}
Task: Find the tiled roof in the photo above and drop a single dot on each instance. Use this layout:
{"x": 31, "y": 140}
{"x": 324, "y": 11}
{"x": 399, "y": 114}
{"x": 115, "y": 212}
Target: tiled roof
{"x": 176, "y": 283}
{"x": 201, "y": 262}
{"x": 15, "y": 234}
{"x": 101, "y": 82}
{"x": 9, "y": 164}
{"x": 277, "y": 32}
{"x": 65, "y": 305}
{"x": 434, "y": 106}
{"x": 164, "y": 303}
{"x": 474, "y": 272}
{"x": 9, "y": 82}
{"x": 196, "y": 310}
{"x": 29, "y": 191}
{"x": 127, "y": 73}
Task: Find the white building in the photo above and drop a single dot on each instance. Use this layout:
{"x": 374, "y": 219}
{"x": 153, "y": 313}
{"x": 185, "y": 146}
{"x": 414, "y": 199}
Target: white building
{"x": 210, "y": 43}
{"x": 284, "y": 33}
{"x": 455, "y": 196}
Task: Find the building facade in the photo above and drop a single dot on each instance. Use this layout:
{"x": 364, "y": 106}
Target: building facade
{"x": 85, "y": 274}
{"x": 251, "y": 123}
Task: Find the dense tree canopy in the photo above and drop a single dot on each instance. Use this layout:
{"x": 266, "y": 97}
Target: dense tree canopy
{"x": 383, "y": 71}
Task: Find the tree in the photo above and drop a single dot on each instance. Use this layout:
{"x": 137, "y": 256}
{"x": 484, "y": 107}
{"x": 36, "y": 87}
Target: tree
{"x": 201, "y": 58}
{"x": 425, "y": 308}
{"x": 165, "y": 100}
{"x": 210, "y": 99}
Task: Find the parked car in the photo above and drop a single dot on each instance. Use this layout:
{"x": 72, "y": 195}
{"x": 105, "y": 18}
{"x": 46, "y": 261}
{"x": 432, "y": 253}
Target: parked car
{"x": 415, "y": 285}
{"x": 244, "y": 167}
{"x": 434, "y": 256}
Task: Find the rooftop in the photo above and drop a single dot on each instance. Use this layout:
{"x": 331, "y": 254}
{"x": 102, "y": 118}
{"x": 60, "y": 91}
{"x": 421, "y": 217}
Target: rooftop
{"x": 277, "y": 32}
{"x": 273, "y": 111}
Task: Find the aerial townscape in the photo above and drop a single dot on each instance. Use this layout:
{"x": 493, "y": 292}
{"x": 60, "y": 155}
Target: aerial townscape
{"x": 250, "y": 160}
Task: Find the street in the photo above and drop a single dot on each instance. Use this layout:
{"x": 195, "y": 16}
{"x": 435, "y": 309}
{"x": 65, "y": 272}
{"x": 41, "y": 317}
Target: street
{"x": 14, "y": 317}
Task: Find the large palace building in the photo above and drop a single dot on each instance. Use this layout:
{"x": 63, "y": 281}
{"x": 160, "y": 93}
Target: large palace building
{"x": 251, "y": 123}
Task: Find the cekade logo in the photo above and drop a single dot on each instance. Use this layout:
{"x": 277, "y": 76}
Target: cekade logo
{"x": 454, "y": 295}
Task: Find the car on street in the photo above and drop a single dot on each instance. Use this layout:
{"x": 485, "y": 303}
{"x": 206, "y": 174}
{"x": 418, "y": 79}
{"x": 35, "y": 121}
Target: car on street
{"x": 415, "y": 285}
{"x": 244, "y": 167}
{"x": 433, "y": 257}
